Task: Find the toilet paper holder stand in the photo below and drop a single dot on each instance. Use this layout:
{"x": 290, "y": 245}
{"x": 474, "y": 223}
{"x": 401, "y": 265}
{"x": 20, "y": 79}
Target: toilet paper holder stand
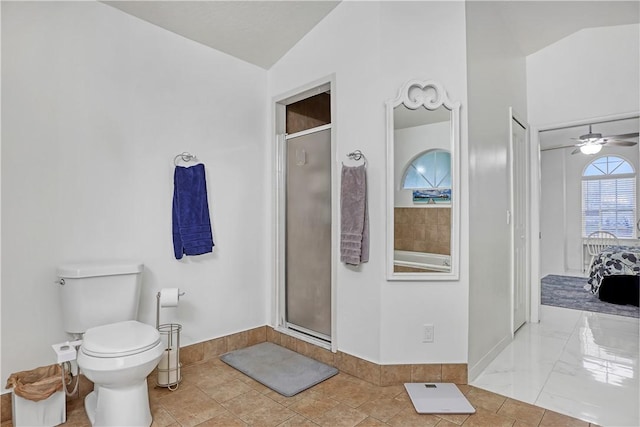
{"x": 180, "y": 294}
{"x": 169, "y": 374}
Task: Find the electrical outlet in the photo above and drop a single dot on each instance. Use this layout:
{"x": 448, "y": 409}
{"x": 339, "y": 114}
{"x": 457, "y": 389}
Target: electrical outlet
{"x": 427, "y": 333}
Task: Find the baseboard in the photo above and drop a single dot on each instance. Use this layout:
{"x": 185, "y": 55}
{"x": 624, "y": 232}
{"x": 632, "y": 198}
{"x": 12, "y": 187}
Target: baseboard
{"x": 487, "y": 358}
{"x": 382, "y": 375}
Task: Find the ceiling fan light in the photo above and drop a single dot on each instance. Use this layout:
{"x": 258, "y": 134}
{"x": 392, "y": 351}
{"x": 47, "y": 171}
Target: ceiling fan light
{"x": 591, "y": 148}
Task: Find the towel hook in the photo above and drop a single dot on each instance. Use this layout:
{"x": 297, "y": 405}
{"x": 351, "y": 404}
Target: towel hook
{"x": 185, "y": 156}
{"x": 357, "y": 155}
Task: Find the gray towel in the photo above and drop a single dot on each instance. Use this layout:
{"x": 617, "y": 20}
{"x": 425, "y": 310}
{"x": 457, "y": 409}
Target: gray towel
{"x": 354, "y": 216}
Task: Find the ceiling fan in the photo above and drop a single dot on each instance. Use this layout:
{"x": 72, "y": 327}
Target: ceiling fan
{"x": 592, "y": 143}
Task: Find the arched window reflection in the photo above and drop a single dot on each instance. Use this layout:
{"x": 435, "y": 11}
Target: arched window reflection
{"x": 429, "y": 176}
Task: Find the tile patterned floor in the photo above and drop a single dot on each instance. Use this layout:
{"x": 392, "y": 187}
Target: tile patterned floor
{"x": 579, "y": 363}
{"x": 214, "y": 394}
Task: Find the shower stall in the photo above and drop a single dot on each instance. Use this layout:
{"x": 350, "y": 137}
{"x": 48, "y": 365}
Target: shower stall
{"x": 305, "y": 216}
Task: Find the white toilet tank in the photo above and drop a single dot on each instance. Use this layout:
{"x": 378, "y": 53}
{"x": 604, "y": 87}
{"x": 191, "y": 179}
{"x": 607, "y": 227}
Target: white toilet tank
{"x": 99, "y": 293}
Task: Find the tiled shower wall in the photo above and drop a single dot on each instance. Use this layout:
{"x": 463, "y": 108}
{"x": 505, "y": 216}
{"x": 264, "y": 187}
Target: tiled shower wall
{"x": 423, "y": 229}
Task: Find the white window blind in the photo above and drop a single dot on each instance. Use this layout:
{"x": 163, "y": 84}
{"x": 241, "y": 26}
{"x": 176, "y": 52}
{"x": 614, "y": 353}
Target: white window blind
{"x": 609, "y": 197}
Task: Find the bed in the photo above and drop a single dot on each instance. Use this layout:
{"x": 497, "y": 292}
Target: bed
{"x": 615, "y": 275}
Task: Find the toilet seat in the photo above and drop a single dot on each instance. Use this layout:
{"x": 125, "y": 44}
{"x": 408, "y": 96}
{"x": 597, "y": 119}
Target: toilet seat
{"x": 119, "y": 339}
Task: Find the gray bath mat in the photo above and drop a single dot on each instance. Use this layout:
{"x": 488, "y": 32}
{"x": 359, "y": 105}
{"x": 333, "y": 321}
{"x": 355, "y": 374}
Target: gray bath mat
{"x": 279, "y": 368}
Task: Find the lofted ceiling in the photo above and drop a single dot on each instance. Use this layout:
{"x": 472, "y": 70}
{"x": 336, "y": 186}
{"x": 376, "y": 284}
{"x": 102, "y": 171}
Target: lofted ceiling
{"x": 537, "y": 24}
{"x": 261, "y": 32}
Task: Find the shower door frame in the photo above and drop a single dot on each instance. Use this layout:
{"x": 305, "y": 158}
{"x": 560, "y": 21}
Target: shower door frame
{"x": 279, "y": 303}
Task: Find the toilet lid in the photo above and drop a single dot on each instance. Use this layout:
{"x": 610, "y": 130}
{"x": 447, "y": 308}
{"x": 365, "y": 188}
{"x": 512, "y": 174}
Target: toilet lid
{"x": 119, "y": 339}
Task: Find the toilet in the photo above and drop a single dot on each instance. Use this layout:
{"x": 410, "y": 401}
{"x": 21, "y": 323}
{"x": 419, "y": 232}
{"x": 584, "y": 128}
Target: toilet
{"x": 100, "y": 306}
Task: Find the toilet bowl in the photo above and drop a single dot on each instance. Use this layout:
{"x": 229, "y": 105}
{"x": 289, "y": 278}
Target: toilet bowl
{"x": 118, "y": 357}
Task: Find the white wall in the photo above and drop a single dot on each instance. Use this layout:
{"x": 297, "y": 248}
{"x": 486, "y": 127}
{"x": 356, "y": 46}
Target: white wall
{"x": 560, "y": 90}
{"x": 552, "y": 219}
{"x": 347, "y": 46}
{"x": 591, "y": 73}
{"x": 373, "y": 48}
{"x": 95, "y": 105}
{"x": 427, "y": 40}
{"x": 497, "y": 81}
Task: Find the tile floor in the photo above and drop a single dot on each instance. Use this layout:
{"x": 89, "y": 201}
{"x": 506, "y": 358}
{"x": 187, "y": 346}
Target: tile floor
{"x": 213, "y": 394}
{"x": 578, "y": 363}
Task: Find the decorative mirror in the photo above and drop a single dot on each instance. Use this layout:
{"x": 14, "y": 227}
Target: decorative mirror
{"x": 422, "y": 183}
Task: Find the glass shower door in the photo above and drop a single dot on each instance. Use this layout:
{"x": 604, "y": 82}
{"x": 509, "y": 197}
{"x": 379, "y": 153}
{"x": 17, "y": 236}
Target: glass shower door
{"x": 308, "y": 232}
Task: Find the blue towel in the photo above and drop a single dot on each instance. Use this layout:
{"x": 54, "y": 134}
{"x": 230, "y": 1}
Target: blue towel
{"x": 191, "y": 224}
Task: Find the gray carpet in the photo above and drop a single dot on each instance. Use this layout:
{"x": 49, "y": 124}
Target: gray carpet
{"x": 279, "y": 368}
{"x": 568, "y": 292}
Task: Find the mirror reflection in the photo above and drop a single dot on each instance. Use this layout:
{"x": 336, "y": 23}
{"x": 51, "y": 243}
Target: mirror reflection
{"x": 422, "y": 199}
{"x": 422, "y": 211}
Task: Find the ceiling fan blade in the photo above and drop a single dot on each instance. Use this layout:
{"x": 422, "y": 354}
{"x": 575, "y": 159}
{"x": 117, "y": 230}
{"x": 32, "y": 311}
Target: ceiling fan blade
{"x": 623, "y": 136}
{"x": 621, "y": 143}
{"x": 576, "y": 151}
{"x": 557, "y": 147}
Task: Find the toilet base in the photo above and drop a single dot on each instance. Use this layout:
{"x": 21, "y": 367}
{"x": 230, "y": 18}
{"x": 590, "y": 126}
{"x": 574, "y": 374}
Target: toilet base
{"x": 123, "y": 406}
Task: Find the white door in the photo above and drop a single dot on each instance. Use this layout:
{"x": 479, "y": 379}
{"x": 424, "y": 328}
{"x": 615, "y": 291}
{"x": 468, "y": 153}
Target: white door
{"x": 519, "y": 197}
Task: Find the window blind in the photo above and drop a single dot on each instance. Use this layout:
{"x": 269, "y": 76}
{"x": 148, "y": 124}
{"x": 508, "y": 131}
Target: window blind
{"x": 609, "y": 204}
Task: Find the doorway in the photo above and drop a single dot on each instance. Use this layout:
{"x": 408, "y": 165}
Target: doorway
{"x": 557, "y": 243}
{"x": 306, "y": 224}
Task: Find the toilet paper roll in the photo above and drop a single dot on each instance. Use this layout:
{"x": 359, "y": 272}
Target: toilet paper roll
{"x": 169, "y": 368}
{"x": 169, "y": 378}
{"x": 169, "y": 297}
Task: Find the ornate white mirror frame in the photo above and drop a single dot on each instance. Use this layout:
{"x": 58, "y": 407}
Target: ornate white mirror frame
{"x": 431, "y": 95}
